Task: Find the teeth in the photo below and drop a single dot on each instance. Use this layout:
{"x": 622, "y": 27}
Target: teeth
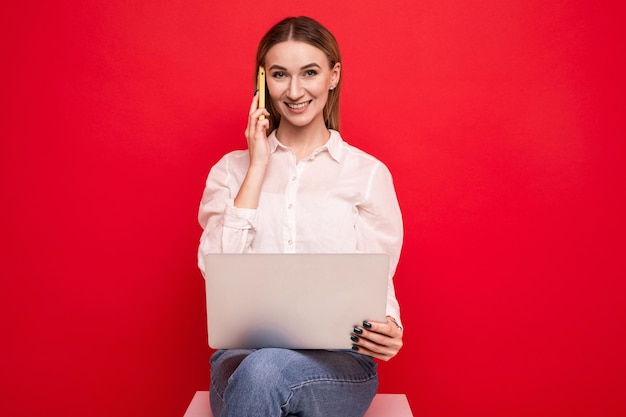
{"x": 297, "y": 106}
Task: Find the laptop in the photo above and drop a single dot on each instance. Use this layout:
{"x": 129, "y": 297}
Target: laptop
{"x": 295, "y": 301}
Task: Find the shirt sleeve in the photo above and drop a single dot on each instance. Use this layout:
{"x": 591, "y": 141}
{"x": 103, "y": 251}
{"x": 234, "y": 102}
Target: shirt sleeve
{"x": 379, "y": 228}
{"x": 226, "y": 228}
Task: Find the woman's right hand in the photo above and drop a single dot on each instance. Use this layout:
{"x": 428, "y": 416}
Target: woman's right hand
{"x": 256, "y": 134}
{"x": 259, "y": 151}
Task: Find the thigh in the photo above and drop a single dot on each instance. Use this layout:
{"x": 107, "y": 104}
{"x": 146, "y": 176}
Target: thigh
{"x": 297, "y": 367}
{"x": 306, "y": 383}
{"x": 330, "y": 383}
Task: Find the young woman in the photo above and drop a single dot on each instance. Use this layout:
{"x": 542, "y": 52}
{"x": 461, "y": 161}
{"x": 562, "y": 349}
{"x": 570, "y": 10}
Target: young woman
{"x": 300, "y": 188}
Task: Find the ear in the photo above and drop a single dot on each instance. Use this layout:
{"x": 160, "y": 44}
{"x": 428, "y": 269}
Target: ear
{"x": 335, "y": 73}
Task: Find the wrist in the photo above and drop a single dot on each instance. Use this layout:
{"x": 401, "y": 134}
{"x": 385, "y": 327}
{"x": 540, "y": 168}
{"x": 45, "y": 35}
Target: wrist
{"x": 394, "y": 321}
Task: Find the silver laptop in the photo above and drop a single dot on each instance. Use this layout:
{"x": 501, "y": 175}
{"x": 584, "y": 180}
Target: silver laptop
{"x": 296, "y": 301}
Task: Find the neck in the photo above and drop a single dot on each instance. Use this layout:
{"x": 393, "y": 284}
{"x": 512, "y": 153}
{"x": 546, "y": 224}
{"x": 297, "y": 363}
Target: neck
{"x": 303, "y": 140}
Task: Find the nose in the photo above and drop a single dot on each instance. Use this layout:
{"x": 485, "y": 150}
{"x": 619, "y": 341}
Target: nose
{"x": 295, "y": 89}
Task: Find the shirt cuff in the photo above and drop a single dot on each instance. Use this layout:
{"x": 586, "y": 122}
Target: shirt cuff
{"x": 239, "y": 218}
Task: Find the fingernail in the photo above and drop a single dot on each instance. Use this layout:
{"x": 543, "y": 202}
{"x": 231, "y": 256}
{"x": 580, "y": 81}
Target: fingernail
{"x": 354, "y": 339}
{"x": 256, "y": 92}
{"x": 367, "y": 325}
{"x": 357, "y": 330}
{"x": 355, "y": 347}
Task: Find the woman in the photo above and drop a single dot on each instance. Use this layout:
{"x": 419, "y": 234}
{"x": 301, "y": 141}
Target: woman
{"x": 300, "y": 188}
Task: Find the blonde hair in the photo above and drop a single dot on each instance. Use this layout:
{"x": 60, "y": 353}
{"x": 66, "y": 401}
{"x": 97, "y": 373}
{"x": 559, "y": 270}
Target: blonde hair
{"x": 303, "y": 29}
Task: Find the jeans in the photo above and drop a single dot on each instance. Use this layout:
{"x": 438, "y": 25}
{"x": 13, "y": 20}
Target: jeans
{"x": 281, "y": 382}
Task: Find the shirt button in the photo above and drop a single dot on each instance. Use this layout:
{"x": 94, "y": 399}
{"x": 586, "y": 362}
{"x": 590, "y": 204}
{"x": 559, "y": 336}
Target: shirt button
{"x": 290, "y": 242}
{"x": 290, "y": 206}
{"x": 293, "y": 178}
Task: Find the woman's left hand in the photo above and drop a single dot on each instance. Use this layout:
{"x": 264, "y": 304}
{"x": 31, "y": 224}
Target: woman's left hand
{"x": 379, "y": 340}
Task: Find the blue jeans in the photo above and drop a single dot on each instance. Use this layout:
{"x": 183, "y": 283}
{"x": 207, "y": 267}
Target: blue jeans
{"x": 283, "y": 382}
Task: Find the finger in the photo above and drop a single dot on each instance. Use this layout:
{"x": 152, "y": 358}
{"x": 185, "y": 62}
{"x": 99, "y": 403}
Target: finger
{"x": 388, "y": 328}
{"x": 256, "y": 126}
{"x": 254, "y": 107}
{"x": 374, "y": 341}
{"x": 255, "y": 102}
{"x": 259, "y": 127}
{"x": 374, "y": 350}
{"x": 255, "y": 117}
{"x": 364, "y": 351}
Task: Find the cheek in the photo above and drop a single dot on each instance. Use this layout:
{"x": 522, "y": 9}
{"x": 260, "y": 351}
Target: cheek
{"x": 314, "y": 89}
{"x": 274, "y": 90}
{"x": 275, "y": 100}
{"x": 321, "y": 94}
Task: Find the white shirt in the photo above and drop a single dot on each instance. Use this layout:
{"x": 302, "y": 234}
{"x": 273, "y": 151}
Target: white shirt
{"x": 338, "y": 200}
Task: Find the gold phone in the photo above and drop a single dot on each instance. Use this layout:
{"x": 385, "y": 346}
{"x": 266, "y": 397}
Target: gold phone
{"x": 261, "y": 88}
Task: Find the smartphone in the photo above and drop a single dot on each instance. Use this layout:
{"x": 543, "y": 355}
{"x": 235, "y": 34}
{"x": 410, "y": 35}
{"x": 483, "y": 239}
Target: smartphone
{"x": 261, "y": 87}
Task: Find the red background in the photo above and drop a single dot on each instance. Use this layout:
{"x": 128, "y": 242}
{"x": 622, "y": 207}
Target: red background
{"x": 500, "y": 120}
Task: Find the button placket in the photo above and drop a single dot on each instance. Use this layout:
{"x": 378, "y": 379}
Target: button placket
{"x": 290, "y": 215}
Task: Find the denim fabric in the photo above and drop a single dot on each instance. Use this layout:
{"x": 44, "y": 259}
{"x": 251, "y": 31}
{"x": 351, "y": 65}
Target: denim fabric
{"x": 283, "y": 382}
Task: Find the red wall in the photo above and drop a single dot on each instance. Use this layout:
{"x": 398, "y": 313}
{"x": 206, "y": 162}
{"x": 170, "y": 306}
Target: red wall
{"x": 498, "y": 119}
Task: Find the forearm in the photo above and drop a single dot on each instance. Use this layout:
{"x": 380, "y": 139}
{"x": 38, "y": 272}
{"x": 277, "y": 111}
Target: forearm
{"x": 250, "y": 192}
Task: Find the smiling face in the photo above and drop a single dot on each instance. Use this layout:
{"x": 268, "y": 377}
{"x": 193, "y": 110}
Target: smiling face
{"x": 299, "y": 77}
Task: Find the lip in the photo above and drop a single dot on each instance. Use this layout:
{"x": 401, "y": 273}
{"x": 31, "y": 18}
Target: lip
{"x": 298, "y": 107}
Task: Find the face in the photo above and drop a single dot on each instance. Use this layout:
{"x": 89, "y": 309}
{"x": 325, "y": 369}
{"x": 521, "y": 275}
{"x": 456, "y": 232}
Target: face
{"x": 298, "y": 79}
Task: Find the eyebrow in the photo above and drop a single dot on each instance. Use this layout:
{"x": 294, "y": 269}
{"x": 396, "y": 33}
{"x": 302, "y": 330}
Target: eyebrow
{"x": 308, "y": 66}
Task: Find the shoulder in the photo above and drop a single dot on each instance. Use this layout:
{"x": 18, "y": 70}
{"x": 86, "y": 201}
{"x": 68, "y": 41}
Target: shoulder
{"x": 233, "y": 159}
{"x": 352, "y": 154}
{"x": 235, "y": 155}
{"x": 231, "y": 165}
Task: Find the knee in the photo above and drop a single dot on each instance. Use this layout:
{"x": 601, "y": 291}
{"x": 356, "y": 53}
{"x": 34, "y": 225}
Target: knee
{"x": 263, "y": 369}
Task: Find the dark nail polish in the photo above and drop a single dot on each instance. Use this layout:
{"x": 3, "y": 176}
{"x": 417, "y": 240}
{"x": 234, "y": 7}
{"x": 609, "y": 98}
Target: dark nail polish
{"x": 256, "y": 92}
{"x": 357, "y": 330}
{"x": 367, "y": 325}
{"x": 354, "y": 339}
{"x": 355, "y": 347}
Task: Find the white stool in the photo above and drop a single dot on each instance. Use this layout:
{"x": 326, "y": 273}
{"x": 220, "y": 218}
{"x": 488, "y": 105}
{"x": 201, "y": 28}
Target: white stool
{"x": 383, "y": 405}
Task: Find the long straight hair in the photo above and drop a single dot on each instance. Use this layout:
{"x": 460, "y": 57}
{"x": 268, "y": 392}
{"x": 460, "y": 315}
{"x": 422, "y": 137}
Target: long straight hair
{"x": 303, "y": 29}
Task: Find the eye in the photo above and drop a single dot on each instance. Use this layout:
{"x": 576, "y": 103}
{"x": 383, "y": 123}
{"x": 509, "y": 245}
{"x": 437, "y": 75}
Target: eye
{"x": 310, "y": 73}
{"x": 279, "y": 74}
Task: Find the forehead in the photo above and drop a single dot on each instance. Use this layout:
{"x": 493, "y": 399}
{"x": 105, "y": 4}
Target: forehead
{"x": 295, "y": 54}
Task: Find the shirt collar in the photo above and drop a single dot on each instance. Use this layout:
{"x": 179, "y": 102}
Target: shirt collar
{"x": 334, "y": 145}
